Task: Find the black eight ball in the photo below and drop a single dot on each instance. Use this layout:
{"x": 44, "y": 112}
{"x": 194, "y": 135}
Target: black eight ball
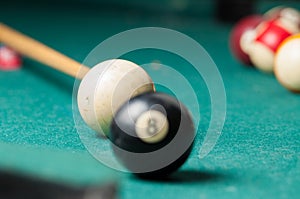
{"x": 152, "y": 135}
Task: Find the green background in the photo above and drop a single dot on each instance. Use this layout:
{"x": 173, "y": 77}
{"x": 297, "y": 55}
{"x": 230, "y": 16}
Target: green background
{"x": 257, "y": 155}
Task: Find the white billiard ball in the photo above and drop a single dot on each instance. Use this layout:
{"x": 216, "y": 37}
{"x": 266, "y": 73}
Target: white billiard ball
{"x": 106, "y": 87}
{"x": 287, "y": 63}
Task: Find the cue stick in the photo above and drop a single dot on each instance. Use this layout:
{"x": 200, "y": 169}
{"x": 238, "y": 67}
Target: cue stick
{"x": 40, "y": 52}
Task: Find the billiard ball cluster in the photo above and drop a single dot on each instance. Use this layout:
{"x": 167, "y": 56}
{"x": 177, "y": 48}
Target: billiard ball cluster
{"x": 270, "y": 42}
{"x": 151, "y": 133}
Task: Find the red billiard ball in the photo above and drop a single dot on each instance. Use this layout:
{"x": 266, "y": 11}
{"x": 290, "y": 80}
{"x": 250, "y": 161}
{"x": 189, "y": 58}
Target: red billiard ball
{"x": 241, "y": 35}
{"x": 262, "y": 50}
{"x": 9, "y": 59}
{"x": 287, "y": 63}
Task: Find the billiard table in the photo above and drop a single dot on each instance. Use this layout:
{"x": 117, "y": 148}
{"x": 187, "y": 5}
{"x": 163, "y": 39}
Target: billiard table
{"x": 256, "y": 152}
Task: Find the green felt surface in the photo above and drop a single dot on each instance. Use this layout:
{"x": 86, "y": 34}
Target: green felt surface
{"x": 257, "y": 155}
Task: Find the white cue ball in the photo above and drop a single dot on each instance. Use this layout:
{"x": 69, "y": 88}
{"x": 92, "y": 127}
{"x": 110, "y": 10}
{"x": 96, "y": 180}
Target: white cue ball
{"x": 152, "y": 126}
{"x": 106, "y": 87}
{"x": 287, "y": 63}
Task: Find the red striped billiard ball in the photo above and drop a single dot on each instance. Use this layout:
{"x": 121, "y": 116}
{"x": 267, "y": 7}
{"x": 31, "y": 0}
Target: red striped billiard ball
{"x": 289, "y": 16}
{"x": 262, "y": 50}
